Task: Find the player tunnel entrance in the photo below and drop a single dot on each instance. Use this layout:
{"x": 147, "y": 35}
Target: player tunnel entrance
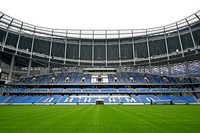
{"x": 99, "y": 101}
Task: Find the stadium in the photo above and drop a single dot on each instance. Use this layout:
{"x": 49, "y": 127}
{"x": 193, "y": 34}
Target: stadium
{"x": 156, "y": 66}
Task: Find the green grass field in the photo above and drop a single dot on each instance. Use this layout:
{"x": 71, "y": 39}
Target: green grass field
{"x": 100, "y": 119}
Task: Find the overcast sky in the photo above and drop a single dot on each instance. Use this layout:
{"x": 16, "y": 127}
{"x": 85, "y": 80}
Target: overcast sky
{"x": 99, "y": 14}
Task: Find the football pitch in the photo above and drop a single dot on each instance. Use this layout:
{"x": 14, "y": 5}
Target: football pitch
{"x": 100, "y": 119}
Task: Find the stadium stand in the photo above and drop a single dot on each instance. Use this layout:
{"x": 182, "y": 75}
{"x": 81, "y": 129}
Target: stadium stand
{"x": 70, "y": 67}
{"x": 135, "y": 78}
{"x": 107, "y": 99}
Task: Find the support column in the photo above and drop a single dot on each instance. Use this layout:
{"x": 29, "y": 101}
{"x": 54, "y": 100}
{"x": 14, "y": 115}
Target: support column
{"x": 79, "y": 49}
{"x": 179, "y": 37}
{"x": 93, "y": 48}
{"x": 148, "y": 47}
{"x": 65, "y": 48}
{"x": 19, "y": 37}
{"x": 119, "y": 48}
{"x": 29, "y": 67}
{"x": 1, "y": 70}
{"x": 4, "y": 43}
{"x": 32, "y": 45}
{"x": 169, "y": 69}
{"x": 150, "y": 70}
{"x": 195, "y": 47}
{"x": 51, "y": 47}
{"x": 187, "y": 68}
{"x": 106, "y": 48}
{"x": 148, "y": 52}
{"x": 133, "y": 45}
{"x": 11, "y": 67}
{"x": 166, "y": 44}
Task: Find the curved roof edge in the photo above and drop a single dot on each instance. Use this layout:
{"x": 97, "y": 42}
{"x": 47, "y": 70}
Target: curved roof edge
{"x": 95, "y": 33}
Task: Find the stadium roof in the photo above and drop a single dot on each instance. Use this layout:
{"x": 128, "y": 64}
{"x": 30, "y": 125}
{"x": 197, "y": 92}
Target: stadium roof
{"x": 100, "y": 14}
